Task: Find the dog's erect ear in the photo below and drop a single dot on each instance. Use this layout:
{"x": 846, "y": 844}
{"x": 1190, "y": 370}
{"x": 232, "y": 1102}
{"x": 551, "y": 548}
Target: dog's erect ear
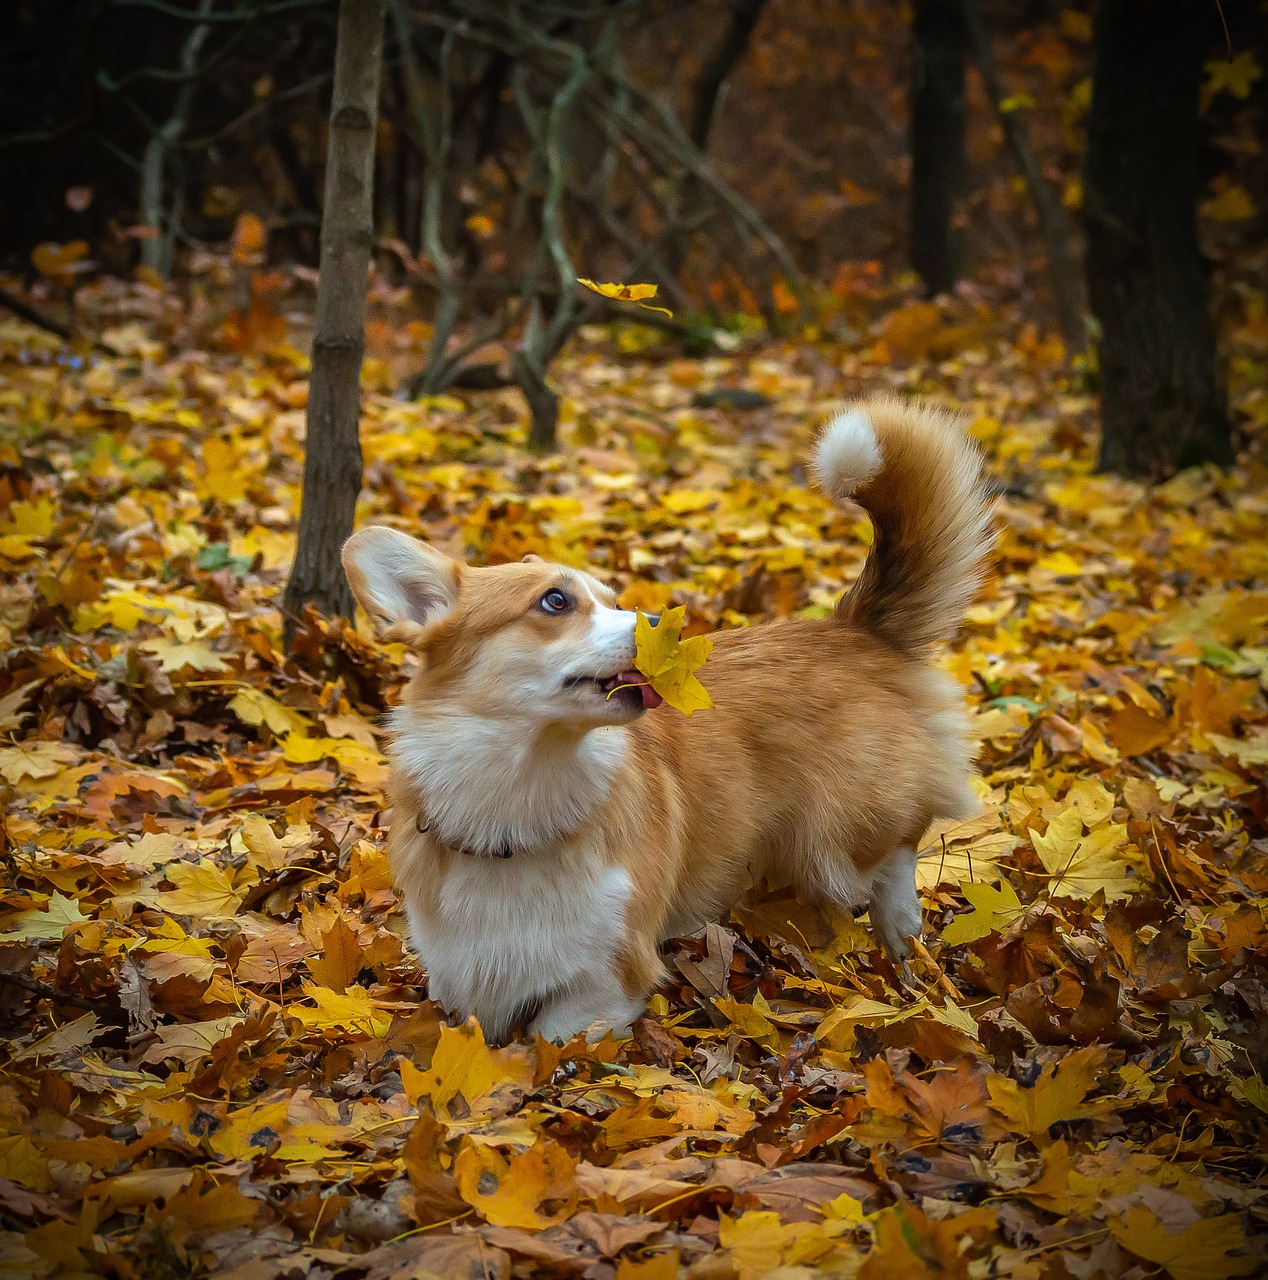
{"x": 396, "y": 578}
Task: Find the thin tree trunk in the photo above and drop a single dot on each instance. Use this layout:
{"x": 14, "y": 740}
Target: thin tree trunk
{"x": 1162, "y": 394}
{"x": 710, "y": 90}
{"x": 939, "y": 167}
{"x": 157, "y": 248}
{"x": 332, "y": 453}
{"x": 719, "y": 65}
{"x": 1052, "y": 220}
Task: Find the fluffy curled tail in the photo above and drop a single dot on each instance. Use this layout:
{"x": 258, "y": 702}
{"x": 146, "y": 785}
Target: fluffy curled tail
{"x": 917, "y": 475}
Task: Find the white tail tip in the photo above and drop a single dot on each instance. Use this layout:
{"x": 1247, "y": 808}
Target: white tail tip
{"x": 847, "y": 453}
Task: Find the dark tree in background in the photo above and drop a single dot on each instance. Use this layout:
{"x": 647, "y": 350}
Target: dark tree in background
{"x": 939, "y": 169}
{"x": 332, "y": 451}
{"x": 1162, "y": 392}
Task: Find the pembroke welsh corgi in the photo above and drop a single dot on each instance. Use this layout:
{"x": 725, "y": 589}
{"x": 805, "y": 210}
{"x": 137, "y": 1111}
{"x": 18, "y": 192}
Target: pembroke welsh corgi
{"x": 546, "y": 836}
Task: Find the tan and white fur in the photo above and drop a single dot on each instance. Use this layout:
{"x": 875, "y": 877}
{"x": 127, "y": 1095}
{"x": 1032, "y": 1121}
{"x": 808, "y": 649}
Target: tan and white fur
{"x": 547, "y": 837}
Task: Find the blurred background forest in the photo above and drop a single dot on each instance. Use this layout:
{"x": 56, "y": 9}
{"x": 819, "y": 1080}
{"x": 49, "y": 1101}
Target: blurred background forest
{"x": 801, "y": 166}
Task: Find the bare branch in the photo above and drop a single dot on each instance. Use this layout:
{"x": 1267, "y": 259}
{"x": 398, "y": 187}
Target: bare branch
{"x": 250, "y": 14}
{"x": 1056, "y": 229}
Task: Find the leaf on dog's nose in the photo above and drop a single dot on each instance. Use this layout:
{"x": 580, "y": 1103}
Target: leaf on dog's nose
{"x": 627, "y": 293}
{"x": 670, "y": 662}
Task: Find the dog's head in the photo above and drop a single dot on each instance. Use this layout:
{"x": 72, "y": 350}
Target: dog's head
{"x": 532, "y": 640}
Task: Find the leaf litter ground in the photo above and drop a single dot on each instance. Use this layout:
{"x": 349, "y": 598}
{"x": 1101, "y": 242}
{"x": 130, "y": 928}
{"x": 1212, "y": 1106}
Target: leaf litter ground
{"x": 219, "y": 1059}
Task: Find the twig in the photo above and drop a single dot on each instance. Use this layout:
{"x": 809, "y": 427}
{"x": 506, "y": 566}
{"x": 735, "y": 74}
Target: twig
{"x": 31, "y": 316}
{"x": 944, "y": 983}
{"x": 43, "y": 990}
{"x": 40, "y": 321}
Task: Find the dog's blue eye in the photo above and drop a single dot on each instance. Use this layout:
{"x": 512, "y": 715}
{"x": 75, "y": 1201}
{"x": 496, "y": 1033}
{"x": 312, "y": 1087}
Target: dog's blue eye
{"x": 555, "y": 601}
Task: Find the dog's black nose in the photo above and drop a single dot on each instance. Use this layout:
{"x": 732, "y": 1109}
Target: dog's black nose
{"x": 653, "y": 618}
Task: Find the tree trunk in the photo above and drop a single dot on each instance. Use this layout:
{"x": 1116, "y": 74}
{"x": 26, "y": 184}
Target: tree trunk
{"x": 1162, "y": 394}
{"x": 332, "y": 452}
{"x": 939, "y": 168}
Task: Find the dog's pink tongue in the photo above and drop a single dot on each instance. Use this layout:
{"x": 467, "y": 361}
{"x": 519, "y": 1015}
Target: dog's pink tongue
{"x": 651, "y": 699}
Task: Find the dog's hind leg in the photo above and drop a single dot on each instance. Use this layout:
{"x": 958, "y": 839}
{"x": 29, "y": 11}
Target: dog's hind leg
{"x": 895, "y": 907}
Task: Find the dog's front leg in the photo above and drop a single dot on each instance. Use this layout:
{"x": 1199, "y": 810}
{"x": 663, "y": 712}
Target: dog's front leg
{"x": 895, "y": 906}
{"x": 594, "y": 1003}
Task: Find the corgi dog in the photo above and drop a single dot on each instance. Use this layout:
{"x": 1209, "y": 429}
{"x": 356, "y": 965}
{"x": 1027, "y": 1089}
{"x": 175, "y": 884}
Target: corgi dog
{"x": 551, "y": 824}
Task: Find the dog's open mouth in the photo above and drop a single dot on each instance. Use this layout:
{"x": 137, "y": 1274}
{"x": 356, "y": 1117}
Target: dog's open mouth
{"x": 630, "y": 688}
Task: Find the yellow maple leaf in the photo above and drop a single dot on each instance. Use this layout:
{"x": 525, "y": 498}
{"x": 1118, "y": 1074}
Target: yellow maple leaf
{"x": 170, "y": 938}
{"x": 271, "y": 851}
{"x": 153, "y": 849}
{"x": 20, "y": 1162}
{"x": 1081, "y": 864}
{"x": 35, "y": 760}
{"x": 1058, "y": 1094}
{"x": 1233, "y": 204}
{"x": 31, "y": 519}
{"x": 1200, "y": 1252}
{"x": 1233, "y": 75}
{"x": 511, "y": 1193}
{"x": 256, "y": 708}
{"x": 908, "y": 1245}
{"x": 660, "y": 1266}
{"x": 464, "y": 1064}
{"x": 203, "y": 890}
{"x": 749, "y": 1020}
{"x": 670, "y": 663}
{"x": 365, "y": 764}
{"x": 993, "y": 909}
{"x": 221, "y": 477}
{"x": 351, "y": 1010}
{"x": 249, "y": 1129}
{"x": 760, "y": 1242}
{"x": 174, "y": 656}
{"x": 627, "y": 293}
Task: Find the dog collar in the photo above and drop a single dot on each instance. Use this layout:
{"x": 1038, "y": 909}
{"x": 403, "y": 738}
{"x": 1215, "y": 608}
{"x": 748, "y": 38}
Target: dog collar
{"x": 504, "y": 851}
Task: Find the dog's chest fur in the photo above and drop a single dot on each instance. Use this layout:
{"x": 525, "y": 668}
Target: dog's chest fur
{"x": 503, "y": 934}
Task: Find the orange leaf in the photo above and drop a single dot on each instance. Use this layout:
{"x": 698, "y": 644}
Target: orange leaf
{"x": 535, "y": 1190}
{"x": 1134, "y": 731}
{"x": 248, "y": 237}
{"x": 340, "y": 960}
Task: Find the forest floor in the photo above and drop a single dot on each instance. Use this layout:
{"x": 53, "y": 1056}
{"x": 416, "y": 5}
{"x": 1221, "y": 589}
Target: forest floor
{"x": 219, "y": 1058}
